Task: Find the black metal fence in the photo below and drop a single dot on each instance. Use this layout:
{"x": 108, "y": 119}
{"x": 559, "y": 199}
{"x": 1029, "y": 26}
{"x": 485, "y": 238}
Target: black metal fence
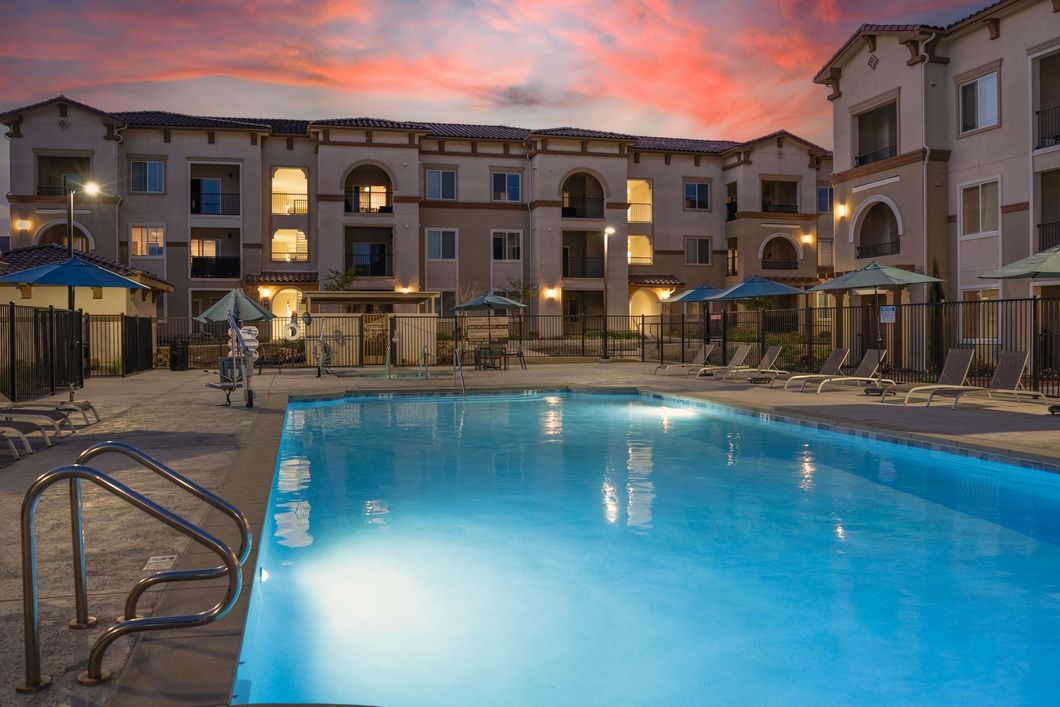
{"x": 117, "y": 344}
{"x": 40, "y": 351}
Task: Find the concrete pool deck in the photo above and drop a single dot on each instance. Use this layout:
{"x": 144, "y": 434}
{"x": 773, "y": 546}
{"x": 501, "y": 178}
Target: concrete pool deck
{"x": 232, "y": 451}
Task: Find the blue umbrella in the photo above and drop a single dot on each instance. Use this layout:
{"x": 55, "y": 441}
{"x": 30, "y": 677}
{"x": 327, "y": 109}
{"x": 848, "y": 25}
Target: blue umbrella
{"x": 756, "y": 287}
{"x": 72, "y": 272}
{"x": 699, "y": 293}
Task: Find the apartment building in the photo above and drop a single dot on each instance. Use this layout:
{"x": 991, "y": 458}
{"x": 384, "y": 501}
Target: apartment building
{"x": 947, "y": 146}
{"x": 277, "y": 206}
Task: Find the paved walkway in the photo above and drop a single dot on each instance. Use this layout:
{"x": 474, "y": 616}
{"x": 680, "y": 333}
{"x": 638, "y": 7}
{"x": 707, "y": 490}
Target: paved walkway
{"x": 232, "y": 449}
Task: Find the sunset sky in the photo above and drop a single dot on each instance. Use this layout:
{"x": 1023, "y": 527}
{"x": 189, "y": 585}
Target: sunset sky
{"x": 710, "y": 69}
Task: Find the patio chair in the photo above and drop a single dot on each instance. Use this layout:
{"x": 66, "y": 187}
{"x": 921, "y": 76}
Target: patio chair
{"x": 698, "y": 361}
{"x": 831, "y": 367}
{"x": 954, "y": 374}
{"x": 18, "y": 430}
{"x": 738, "y": 357}
{"x": 64, "y": 406}
{"x": 765, "y": 366}
{"x": 865, "y": 373}
{"x": 1005, "y": 381}
{"x": 46, "y": 415}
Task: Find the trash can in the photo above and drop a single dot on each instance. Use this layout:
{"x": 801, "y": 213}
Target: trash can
{"x": 178, "y": 355}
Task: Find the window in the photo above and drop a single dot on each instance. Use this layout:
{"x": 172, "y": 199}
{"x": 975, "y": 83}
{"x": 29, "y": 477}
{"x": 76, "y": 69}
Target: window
{"x": 697, "y": 251}
{"x": 204, "y": 248}
{"x": 289, "y": 245}
{"x": 824, "y": 200}
{"x": 441, "y": 184}
{"x": 441, "y": 245}
{"x": 506, "y": 186}
{"x": 147, "y": 177}
{"x": 979, "y": 316}
{"x": 506, "y": 245}
{"x": 147, "y": 241}
{"x": 697, "y": 195}
{"x": 979, "y": 103}
{"x": 979, "y": 209}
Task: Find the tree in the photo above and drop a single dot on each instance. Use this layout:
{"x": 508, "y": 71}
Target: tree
{"x": 339, "y": 279}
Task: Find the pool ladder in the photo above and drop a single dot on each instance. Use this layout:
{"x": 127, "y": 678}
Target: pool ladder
{"x": 130, "y": 622}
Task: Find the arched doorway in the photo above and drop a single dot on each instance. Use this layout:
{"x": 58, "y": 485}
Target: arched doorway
{"x": 55, "y": 234}
{"x": 583, "y": 196}
{"x": 283, "y": 304}
{"x": 643, "y": 303}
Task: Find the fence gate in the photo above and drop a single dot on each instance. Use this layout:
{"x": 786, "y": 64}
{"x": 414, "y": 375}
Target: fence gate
{"x": 376, "y": 339}
{"x": 136, "y": 344}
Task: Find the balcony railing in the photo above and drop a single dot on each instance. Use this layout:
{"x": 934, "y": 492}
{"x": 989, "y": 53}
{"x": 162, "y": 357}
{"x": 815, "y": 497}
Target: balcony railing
{"x": 640, "y": 260}
{"x": 219, "y": 266}
{"x": 876, "y": 155}
{"x": 51, "y": 190}
{"x": 1048, "y": 127}
{"x": 875, "y": 250}
{"x": 371, "y": 265}
{"x": 730, "y": 211}
{"x": 780, "y": 264}
{"x": 215, "y": 204}
{"x": 583, "y": 267}
{"x": 290, "y": 204}
{"x": 770, "y": 207}
{"x": 582, "y": 207}
{"x": 363, "y": 202}
{"x": 1048, "y": 236}
{"x": 639, "y": 213}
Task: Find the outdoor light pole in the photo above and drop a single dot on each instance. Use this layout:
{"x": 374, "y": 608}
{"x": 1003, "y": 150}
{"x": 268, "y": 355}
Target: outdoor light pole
{"x": 91, "y": 189}
{"x": 605, "y": 355}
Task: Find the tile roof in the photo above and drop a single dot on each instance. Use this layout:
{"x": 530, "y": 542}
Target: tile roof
{"x": 479, "y": 132}
{"x": 679, "y": 144}
{"x": 8, "y": 115}
{"x": 20, "y": 259}
{"x": 376, "y": 123}
{"x": 266, "y": 278}
{"x": 279, "y": 126}
{"x": 581, "y": 132}
{"x": 656, "y": 280}
{"x": 165, "y": 119}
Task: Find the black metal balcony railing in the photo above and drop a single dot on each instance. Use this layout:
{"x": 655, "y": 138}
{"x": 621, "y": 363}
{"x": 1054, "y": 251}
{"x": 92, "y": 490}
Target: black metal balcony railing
{"x": 582, "y": 207}
{"x": 583, "y": 267}
{"x": 875, "y": 250}
{"x": 371, "y": 265}
{"x": 219, "y": 266}
{"x": 730, "y": 211}
{"x": 770, "y": 207}
{"x": 876, "y": 155}
{"x": 51, "y": 190}
{"x": 640, "y": 259}
{"x": 215, "y": 204}
{"x": 780, "y": 264}
{"x": 290, "y": 204}
{"x": 1048, "y": 236}
{"x": 1048, "y": 127}
{"x": 639, "y": 213}
{"x": 362, "y": 202}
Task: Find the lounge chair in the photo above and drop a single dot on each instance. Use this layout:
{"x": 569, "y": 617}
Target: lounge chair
{"x": 954, "y": 374}
{"x": 832, "y": 366}
{"x": 865, "y": 373}
{"x": 738, "y": 357}
{"x": 64, "y": 406}
{"x": 44, "y": 416}
{"x": 1005, "y": 381}
{"x": 698, "y": 361}
{"x": 765, "y": 366}
{"x": 18, "y": 429}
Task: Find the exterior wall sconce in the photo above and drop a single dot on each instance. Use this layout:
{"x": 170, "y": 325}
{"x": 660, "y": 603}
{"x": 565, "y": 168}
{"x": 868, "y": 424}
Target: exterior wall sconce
{"x": 23, "y": 224}
{"x": 551, "y": 293}
{"x": 807, "y": 238}
{"x": 841, "y": 210}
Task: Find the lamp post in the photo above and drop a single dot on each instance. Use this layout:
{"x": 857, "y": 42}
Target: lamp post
{"x": 90, "y": 189}
{"x": 605, "y": 355}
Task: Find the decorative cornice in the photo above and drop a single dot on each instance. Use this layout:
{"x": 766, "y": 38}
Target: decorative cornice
{"x": 1015, "y": 208}
{"x": 494, "y": 205}
{"x": 832, "y": 81}
{"x": 773, "y": 216}
{"x": 888, "y": 164}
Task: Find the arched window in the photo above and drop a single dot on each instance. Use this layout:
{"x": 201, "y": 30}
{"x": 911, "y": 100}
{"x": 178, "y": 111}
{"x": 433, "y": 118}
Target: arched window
{"x": 368, "y": 191}
{"x": 779, "y": 253}
{"x": 878, "y": 233}
{"x": 583, "y": 196}
{"x": 56, "y": 235}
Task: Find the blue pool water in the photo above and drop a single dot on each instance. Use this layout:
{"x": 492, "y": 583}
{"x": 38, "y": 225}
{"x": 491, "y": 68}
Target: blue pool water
{"x": 580, "y": 549}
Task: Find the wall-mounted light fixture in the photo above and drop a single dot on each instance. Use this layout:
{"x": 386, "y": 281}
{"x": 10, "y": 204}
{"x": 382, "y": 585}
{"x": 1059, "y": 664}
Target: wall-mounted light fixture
{"x": 552, "y": 293}
{"x": 807, "y": 238}
{"x": 23, "y": 224}
{"x": 841, "y": 210}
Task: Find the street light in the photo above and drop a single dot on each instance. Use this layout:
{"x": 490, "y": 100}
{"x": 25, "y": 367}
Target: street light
{"x": 89, "y": 189}
{"x": 607, "y": 232}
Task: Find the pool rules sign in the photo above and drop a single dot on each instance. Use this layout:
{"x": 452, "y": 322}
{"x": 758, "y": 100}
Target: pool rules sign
{"x": 887, "y": 313}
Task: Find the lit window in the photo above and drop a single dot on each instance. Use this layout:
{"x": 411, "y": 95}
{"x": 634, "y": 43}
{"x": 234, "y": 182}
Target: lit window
{"x": 979, "y": 209}
{"x": 697, "y": 195}
{"x": 289, "y": 245}
{"x": 979, "y": 103}
{"x": 824, "y": 200}
{"x": 147, "y": 177}
{"x": 506, "y": 245}
{"x": 204, "y": 248}
{"x": 506, "y": 186}
{"x": 441, "y": 184}
{"x": 697, "y": 251}
{"x": 147, "y": 241}
{"x": 441, "y": 245}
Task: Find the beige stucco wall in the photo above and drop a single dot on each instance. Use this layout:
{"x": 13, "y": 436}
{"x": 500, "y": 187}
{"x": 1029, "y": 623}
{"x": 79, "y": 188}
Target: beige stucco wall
{"x": 114, "y": 300}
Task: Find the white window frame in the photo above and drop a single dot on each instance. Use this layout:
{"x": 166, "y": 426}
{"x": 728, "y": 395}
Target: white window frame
{"x": 148, "y": 226}
{"x": 960, "y": 209}
{"x": 507, "y": 198}
{"x": 441, "y": 245}
{"x": 441, "y": 185}
{"x": 147, "y": 177}
{"x": 996, "y": 74}
{"x": 710, "y": 249}
{"x": 506, "y": 231}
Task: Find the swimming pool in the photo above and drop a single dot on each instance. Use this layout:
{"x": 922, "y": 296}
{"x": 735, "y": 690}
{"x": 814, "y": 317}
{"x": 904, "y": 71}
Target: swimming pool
{"x": 576, "y": 549}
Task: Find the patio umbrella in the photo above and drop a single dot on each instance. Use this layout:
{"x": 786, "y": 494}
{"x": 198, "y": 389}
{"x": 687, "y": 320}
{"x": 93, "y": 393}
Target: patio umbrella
{"x": 875, "y": 276}
{"x": 756, "y": 286}
{"x": 72, "y": 272}
{"x": 239, "y": 305}
{"x": 1044, "y": 265}
{"x": 699, "y": 293}
{"x": 489, "y": 302}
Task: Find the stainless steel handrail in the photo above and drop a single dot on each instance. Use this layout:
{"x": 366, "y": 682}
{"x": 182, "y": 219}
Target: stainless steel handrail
{"x": 458, "y": 362}
{"x": 82, "y": 619}
{"x": 95, "y": 674}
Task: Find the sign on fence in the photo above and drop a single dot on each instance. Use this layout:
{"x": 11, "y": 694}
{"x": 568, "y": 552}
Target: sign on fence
{"x": 480, "y": 330}
{"x": 887, "y": 314}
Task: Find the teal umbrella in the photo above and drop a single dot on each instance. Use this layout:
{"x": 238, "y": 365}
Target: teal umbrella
{"x": 756, "y": 286}
{"x": 72, "y": 272}
{"x": 489, "y": 301}
{"x": 1045, "y": 265}
{"x": 236, "y": 303}
{"x": 699, "y": 293}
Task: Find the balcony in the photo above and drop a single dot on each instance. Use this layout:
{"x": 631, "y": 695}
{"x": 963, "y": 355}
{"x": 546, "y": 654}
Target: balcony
{"x": 583, "y": 267}
{"x": 876, "y": 250}
{"x": 780, "y": 264}
{"x": 640, "y": 260}
{"x": 51, "y": 190}
{"x": 582, "y": 207}
{"x": 368, "y": 202}
{"x": 219, "y": 266}
{"x": 1048, "y": 127}
{"x": 639, "y": 213}
{"x": 783, "y": 208}
{"x": 215, "y": 204}
{"x": 1048, "y": 236}
{"x": 730, "y": 211}
{"x": 290, "y": 204}
{"x": 374, "y": 265}
{"x": 876, "y": 155}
